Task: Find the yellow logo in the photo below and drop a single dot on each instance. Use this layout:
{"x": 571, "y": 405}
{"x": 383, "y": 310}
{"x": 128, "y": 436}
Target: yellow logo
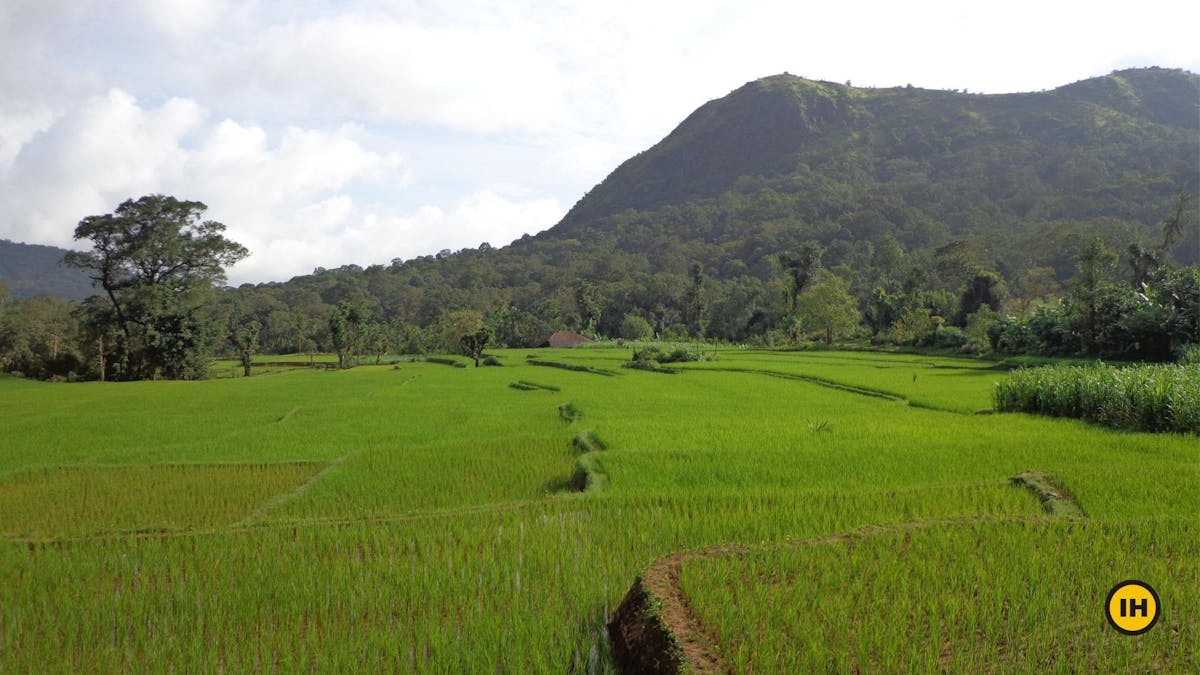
{"x": 1132, "y": 607}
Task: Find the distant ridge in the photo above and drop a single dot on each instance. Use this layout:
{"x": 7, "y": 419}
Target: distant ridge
{"x": 34, "y": 269}
{"x": 782, "y": 130}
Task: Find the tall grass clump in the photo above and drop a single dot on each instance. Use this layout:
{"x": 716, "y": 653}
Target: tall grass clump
{"x": 1147, "y": 397}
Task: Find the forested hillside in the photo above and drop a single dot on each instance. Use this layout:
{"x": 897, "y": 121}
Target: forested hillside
{"x": 32, "y": 269}
{"x": 791, "y": 210}
{"x": 904, "y": 190}
{"x": 920, "y": 163}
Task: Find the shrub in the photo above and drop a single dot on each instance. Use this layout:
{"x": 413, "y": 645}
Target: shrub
{"x": 948, "y": 337}
{"x": 634, "y": 327}
{"x": 1189, "y": 355}
{"x": 657, "y": 355}
{"x": 916, "y": 326}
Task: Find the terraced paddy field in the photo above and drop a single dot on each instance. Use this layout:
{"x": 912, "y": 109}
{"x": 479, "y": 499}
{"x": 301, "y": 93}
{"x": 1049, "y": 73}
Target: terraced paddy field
{"x": 771, "y": 512}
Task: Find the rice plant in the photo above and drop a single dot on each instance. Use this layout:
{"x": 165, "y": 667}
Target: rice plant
{"x": 1146, "y": 397}
{"x": 368, "y": 521}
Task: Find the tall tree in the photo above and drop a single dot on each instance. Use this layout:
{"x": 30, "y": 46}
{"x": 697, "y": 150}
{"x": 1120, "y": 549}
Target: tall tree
{"x": 38, "y": 338}
{"x": 1143, "y": 263}
{"x": 695, "y": 305}
{"x": 157, "y": 262}
{"x": 472, "y": 343}
{"x": 983, "y": 290}
{"x": 1173, "y": 226}
{"x": 801, "y": 266}
{"x": 1094, "y": 265}
{"x": 242, "y": 335}
{"x": 590, "y": 303}
{"x": 346, "y": 327}
{"x": 827, "y": 307}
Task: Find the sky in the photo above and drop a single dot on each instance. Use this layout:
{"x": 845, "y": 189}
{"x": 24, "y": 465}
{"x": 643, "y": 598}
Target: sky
{"x": 326, "y": 133}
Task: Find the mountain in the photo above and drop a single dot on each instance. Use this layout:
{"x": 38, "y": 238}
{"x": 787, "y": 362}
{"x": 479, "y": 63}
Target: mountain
{"x": 912, "y": 197}
{"x": 1114, "y": 146}
{"x": 33, "y": 269}
{"x": 912, "y": 194}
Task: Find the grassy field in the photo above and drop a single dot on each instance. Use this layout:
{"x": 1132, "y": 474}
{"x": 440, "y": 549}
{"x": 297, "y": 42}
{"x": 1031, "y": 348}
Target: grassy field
{"x": 419, "y": 517}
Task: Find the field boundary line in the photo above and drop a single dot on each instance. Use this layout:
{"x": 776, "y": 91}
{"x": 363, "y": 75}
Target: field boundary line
{"x": 1055, "y": 499}
{"x": 245, "y": 527}
{"x": 17, "y": 472}
{"x": 288, "y": 414}
{"x": 656, "y": 629}
{"x": 811, "y": 379}
{"x": 281, "y": 499}
{"x": 676, "y": 632}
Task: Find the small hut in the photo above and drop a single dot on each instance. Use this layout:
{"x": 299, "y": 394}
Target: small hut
{"x": 564, "y": 339}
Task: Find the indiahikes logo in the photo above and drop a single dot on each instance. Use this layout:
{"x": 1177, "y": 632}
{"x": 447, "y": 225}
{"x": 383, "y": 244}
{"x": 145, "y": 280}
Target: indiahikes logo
{"x": 1132, "y": 607}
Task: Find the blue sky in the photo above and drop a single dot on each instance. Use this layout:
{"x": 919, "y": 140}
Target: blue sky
{"x": 327, "y": 133}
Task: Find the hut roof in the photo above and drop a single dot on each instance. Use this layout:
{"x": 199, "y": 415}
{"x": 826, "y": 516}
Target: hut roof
{"x": 567, "y": 339}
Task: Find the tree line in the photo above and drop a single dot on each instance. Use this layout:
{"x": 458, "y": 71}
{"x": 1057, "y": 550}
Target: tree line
{"x": 161, "y": 310}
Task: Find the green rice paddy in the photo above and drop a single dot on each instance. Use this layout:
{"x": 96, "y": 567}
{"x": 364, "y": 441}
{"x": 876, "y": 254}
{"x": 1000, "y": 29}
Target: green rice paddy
{"x": 426, "y": 518}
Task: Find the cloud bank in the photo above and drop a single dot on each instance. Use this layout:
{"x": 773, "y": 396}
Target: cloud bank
{"x": 325, "y": 133}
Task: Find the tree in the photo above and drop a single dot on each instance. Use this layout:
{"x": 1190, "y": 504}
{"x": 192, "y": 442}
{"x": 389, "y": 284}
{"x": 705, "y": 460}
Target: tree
{"x": 828, "y": 307}
{"x": 1173, "y": 225}
{"x": 157, "y": 263}
{"x": 379, "y": 340}
{"x": 98, "y": 332}
{"x": 983, "y": 290}
{"x": 454, "y": 326}
{"x": 345, "y": 330}
{"x": 1143, "y": 263}
{"x": 634, "y": 327}
{"x": 801, "y": 266}
{"x": 695, "y": 307}
{"x": 38, "y": 338}
{"x": 953, "y": 265}
{"x": 473, "y": 343}
{"x": 514, "y": 327}
{"x": 1034, "y": 285}
{"x": 590, "y": 303}
{"x": 243, "y": 337}
{"x": 1094, "y": 265}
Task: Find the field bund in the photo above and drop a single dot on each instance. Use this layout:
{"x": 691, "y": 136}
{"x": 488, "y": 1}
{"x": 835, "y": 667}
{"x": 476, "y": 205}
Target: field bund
{"x": 434, "y": 519}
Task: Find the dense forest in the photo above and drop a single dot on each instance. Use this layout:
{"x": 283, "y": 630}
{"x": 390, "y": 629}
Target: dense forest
{"x": 788, "y": 212}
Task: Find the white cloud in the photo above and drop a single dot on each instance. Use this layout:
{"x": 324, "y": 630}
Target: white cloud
{"x": 337, "y": 232}
{"x": 89, "y": 160}
{"x": 298, "y": 201}
{"x": 182, "y": 20}
{"x": 110, "y": 148}
{"x": 333, "y": 131}
{"x": 18, "y": 125}
{"x": 480, "y": 79}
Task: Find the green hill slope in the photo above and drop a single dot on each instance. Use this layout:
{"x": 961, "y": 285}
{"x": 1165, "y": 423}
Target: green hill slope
{"x": 908, "y": 190}
{"x": 32, "y": 269}
{"x": 1113, "y": 146}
